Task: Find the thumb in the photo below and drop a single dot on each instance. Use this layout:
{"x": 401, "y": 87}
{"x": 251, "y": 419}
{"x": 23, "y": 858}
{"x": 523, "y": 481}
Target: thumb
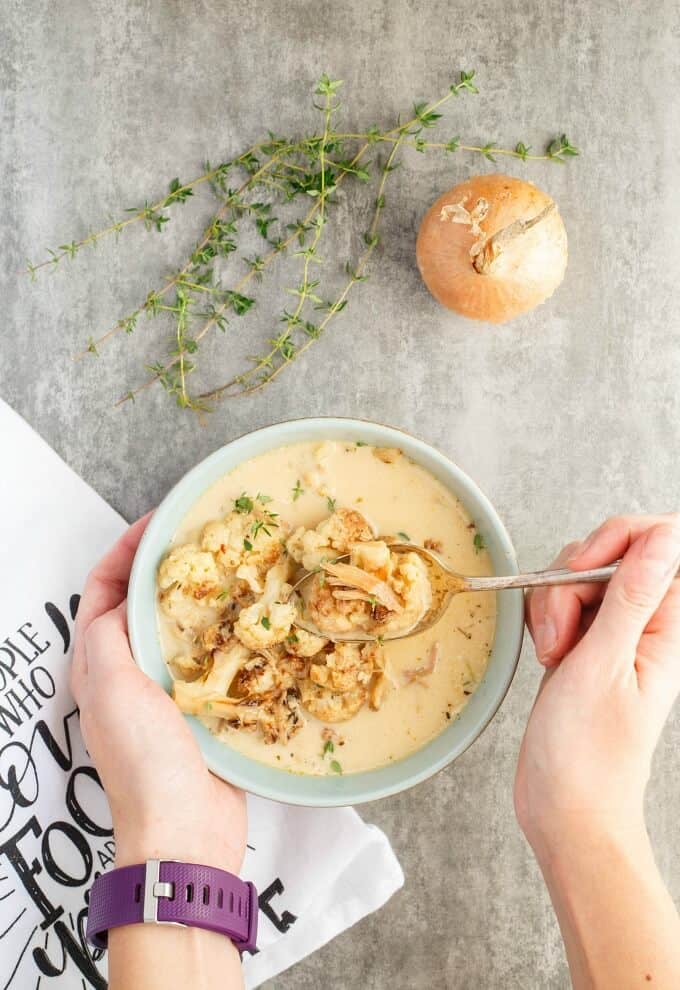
{"x": 635, "y": 592}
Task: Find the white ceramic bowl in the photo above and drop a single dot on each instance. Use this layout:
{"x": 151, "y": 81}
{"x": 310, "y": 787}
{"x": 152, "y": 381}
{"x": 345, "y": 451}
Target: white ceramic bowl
{"x": 356, "y": 788}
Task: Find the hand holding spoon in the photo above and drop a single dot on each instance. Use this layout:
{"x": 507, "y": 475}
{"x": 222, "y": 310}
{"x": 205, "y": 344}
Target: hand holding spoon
{"x": 445, "y": 583}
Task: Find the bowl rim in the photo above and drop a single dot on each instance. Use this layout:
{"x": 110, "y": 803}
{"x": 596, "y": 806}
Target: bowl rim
{"x": 155, "y": 532}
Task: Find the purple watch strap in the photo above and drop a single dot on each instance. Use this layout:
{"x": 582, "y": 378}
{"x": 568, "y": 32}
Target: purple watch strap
{"x": 167, "y": 892}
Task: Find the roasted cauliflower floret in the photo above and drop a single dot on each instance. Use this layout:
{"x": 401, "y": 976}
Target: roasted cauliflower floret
{"x": 190, "y": 615}
{"x": 341, "y": 682}
{"x": 331, "y": 706}
{"x": 190, "y": 585}
{"x": 224, "y": 538}
{"x": 373, "y": 556}
{"x": 411, "y": 583}
{"x": 193, "y": 569}
{"x": 334, "y": 615}
{"x": 246, "y": 542}
{"x": 226, "y": 663}
{"x": 304, "y": 644}
{"x": 269, "y": 620}
{"x": 331, "y": 538}
{"x": 221, "y": 670}
{"x": 260, "y": 675}
{"x": 258, "y": 626}
{"x": 346, "y": 668}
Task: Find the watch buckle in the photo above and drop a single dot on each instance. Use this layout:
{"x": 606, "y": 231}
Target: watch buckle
{"x": 154, "y": 889}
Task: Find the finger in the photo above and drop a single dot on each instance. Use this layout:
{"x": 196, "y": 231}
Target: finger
{"x": 658, "y": 654}
{"x": 554, "y": 614}
{"x": 107, "y": 648}
{"x": 560, "y": 623}
{"x": 103, "y": 634}
{"x": 611, "y": 540}
{"x": 636, "y": 591}
{"x": 535, "y": 599}
{"x": 556, "y": 629}
{"x": 105, "y": 587}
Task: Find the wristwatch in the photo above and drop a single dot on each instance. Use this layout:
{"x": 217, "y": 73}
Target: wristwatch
{"x": 167, "y": 892}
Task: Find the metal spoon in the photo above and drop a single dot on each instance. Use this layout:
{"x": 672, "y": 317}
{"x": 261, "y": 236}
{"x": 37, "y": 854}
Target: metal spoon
{"x": 445, "y": 583}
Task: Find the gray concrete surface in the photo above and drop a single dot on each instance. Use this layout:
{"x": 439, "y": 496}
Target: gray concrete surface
{"x": 563, "y": 417}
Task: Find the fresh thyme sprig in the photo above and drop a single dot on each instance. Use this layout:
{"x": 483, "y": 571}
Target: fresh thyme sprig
{"x": 151, "y": 214}
{"x": 217, "y": 241}
{"x": 273, "y": 175}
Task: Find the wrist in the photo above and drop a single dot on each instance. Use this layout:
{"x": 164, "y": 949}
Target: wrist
{"x": 158, "y": 840}
{"x": 575, "y": 838}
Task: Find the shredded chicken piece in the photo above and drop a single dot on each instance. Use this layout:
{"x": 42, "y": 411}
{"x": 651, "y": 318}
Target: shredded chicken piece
{"x": 349, "y": 594}
{"x": 415, "y": 675}
{"x": 358, "y": 578}
{"x": 378, "y": 691}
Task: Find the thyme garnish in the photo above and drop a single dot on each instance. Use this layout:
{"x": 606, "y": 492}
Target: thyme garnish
{"x": 255, "y": 192}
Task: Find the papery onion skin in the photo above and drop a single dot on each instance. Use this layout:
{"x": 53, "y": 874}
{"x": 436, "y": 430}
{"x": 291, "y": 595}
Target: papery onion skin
{"x": 525, "y": 272}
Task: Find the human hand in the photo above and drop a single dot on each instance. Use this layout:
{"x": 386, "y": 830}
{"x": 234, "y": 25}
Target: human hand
{"x": 613, "y": 659}
{"x": 164, "y": 801}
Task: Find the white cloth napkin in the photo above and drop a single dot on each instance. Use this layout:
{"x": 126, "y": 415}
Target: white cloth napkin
{"x": 317, "y": 871}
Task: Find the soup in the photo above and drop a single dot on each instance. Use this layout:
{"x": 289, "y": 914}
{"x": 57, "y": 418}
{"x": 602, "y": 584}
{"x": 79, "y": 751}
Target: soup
{"x": 272, "y": 690}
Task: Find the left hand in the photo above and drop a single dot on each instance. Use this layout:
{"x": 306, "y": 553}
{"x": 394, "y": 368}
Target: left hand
{"x": 164, "y": 802}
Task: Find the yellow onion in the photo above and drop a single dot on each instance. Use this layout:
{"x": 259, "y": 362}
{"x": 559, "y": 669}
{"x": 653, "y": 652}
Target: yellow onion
{"x": 492, "y": 247}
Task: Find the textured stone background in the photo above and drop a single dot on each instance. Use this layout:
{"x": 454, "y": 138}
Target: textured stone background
{"x": 563, "y": 417}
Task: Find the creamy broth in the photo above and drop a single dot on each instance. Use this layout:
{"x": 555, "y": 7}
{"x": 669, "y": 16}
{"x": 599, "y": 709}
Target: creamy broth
{"x": 397, "y": 498}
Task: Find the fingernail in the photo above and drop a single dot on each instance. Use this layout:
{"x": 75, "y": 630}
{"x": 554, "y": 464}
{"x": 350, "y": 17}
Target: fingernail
{"x": 546, "y": 637}
{"x": 661, "y": 549}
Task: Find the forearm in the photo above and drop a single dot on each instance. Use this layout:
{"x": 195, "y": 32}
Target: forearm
{"x": 166, "y": 957}
{"x": 170, "y": 957}
{"x": 620, "y": 927}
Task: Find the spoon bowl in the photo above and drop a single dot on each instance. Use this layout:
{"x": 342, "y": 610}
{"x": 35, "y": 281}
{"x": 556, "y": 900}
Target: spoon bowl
{"x": 444, "y": 584}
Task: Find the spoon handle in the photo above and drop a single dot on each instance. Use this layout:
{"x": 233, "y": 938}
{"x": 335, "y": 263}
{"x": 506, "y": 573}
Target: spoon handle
{"x": 540, "y": 579}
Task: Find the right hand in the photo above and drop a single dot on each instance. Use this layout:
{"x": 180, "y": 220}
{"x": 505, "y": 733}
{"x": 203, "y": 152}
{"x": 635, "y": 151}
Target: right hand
{"x": 613, "y": 659}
